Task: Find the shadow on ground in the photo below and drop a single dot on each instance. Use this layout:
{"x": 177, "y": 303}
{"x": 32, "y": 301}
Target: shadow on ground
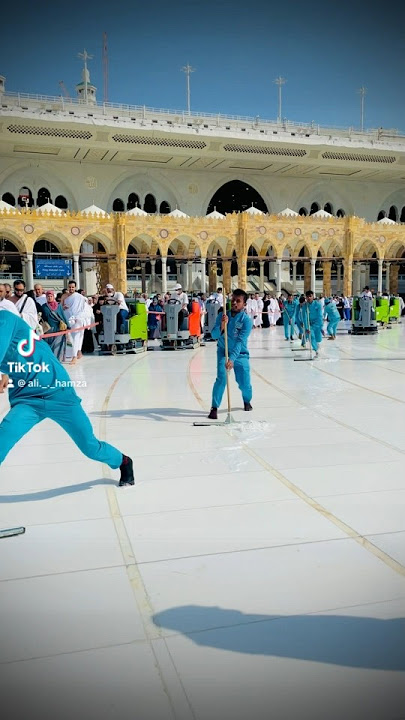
{"x": 54, "y": 492}
{"x": 359, "y": 642}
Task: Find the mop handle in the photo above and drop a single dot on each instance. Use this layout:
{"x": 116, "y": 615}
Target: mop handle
{"x": 309, "y": 328}
{"x": 228, "y": 389}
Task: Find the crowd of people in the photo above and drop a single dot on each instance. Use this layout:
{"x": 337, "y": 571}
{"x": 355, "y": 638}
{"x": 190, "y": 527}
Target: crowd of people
{"x": 52, "y": 314}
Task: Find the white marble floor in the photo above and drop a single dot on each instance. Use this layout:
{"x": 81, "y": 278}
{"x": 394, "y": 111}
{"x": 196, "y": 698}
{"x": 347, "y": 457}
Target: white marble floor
{"x": 253, "y": 572}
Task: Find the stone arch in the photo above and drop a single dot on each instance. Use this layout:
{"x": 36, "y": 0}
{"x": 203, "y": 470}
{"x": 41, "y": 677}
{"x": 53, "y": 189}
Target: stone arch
{"x": 15, "y": 238}
{"x": 60, "y": 241}
{"x": 395, "y": 249}
{"x": 244, "y": 196}
{"x": 366, "y": 248}
{"x": 393, "y": 199}
{"x": 102, "y": 238}
{"x": 323, "y": 193}
{"x": 11, "y": 253}
{"x": 393, "y": 213}
{"x": 142, "y": 242}
{"x": 8, "y": 198}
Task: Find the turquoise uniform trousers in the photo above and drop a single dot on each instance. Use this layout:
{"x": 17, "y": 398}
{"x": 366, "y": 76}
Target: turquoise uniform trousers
{"x": 242, "y": 376}
{"x": 332, "y": 326}
{"x": 71, "y": 417}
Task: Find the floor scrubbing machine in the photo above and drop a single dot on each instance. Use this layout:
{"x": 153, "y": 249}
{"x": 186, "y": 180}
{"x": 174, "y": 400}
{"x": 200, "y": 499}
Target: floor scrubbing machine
{"x": 212, "y": 308}
{"x": 180, "y": 332}
{"x": 364, "y": 320}
{"x": 395, "y": 309}
{"x": 383, "y": 310}
{"x": 131, "y": 336}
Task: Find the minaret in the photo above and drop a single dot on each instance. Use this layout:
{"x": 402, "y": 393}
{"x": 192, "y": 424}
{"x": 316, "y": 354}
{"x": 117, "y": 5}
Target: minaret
{"x": 2, "y": 85}
{"x": 86, "y": 92}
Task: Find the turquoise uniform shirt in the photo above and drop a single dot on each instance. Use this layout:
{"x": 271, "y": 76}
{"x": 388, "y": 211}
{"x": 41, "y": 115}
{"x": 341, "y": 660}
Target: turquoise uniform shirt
{"x": 35, "y": 375}
{"x": 239, "y": 328}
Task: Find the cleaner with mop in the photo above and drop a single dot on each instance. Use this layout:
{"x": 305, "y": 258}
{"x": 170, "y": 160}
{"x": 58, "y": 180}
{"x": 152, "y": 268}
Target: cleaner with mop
{"x": 289, "y": 313}
{"x": 333, "y": 318}
{"x": 313, "y": 320}
{"x": 232, "y": 331}
{"x": 39, "y": 388}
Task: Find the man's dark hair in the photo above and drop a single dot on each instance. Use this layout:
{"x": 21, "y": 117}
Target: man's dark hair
{"x": 240, "y": 293}
{"x": 309, "y": 293}
{"x": 302, "y": 299}
{"x": 289, "y": 295}
{"x": 72, "y": 282}
{"x": 219, "y": 289}
{"x": 18, "y": 282}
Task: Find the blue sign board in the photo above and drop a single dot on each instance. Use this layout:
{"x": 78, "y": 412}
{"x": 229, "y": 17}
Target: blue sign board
{"x": 53, "y": 268}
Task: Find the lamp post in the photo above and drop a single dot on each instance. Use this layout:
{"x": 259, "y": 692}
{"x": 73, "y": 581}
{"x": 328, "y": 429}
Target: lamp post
{"x": 187, "y": 69}
{"x": 362, "y": 92}
{"x": 279, "y": 81}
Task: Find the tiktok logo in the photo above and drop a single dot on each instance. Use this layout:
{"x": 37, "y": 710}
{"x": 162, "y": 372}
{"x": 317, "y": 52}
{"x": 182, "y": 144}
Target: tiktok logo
{"x": 26, "y": 347}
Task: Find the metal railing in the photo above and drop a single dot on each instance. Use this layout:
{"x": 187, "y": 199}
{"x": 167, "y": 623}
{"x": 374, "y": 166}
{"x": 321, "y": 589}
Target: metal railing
{"x": 27, "y": 101}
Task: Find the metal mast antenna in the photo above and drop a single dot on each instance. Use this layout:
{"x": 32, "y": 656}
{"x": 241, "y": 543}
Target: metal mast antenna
{"x": 279, "y": 81}
{"x": 363, "y": 92}
{"x": 188, "y": 70}
{"x": 86, "y": 77}
{"x": 105, "y": 66}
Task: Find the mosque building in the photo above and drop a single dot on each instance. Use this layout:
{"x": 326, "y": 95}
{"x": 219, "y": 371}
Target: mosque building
{"x": 144, "y": 198}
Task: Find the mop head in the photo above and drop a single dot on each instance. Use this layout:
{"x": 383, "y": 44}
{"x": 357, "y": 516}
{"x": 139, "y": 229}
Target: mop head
{"x": 249, "y": 430}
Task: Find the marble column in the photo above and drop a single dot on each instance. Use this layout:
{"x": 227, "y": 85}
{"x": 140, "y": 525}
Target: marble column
{"x": 203, "y": 276}
{"x": 143, "y": 276}
{"x": 278, "y": 274}
{"x": 313, "y": 278}
{"x": 212, "y": 275}
{"x": 294, "y": 275}
{"x": 380, "y": 275}
{"x": 29, "y": 272}
{"x": 190, "y": 276}
{"x": 164, "y": 275}
{"x": 261, "y": 276}
{"x": 394, "y": 279}
{"x": 76, "y": 271}
{"x": 153, "y": 276}
{"x": 387, "y": 276}
{"x": 348, "y": 277}
{"x": 226, "y": 276}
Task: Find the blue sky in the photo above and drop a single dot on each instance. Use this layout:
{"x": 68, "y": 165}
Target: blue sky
{"x": 326, "y": 52}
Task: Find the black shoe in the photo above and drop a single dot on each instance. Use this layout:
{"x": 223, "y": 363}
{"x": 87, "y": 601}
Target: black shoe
{"x": 127, "y": 472}
{"x": 213, "y": 414}
{"x": 247, "y": 407}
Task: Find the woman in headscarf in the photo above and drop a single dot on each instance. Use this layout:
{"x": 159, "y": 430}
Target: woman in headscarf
{"x": 98, "y": 316}
{"x": 52, "y": 313}
{"x": 88, "y": 342}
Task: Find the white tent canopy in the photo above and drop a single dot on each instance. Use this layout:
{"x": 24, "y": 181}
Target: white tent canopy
{"x": 5, "y": 206}
{"x": 254, "y": 211}
{"x": 178, "y": 213}
{"x": 216, "y": 215}
{"x": 136, "y": 211}
{"x": 386, "y": 221}
{"x": 94, "y": 210}
{"x": 49, "y": 208}
{"x": 287, "y": 212}
{"x": 321, "y": 214}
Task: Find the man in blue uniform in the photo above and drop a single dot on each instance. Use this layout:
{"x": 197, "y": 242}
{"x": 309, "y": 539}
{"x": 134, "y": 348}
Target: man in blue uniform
{"x": 39, "y": 388}
{"x": 289, "y": 312}
{"x": 313, "y": 313}
{"x": 239, "y": 326}
{"x": 333, "y": 318}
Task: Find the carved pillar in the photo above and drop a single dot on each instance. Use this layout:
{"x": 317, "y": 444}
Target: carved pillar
{"x": 380, "y": 274}
{"x": 294, "y": 275}
{"x": 164, "y": 275}
{"x": 212, "y": 283}
{"x": 226, "y": 276}
{"x": 394, "y": 279}
{"x": 261, "y": 276}
{"x": 118, "y": 268}
{"x": 348, "y": 276}
{"x": 327, "y": 275}
{"x": 242, "y": 250}
{"x": 307, "y": 276}
{"x": 278, "y": 274}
